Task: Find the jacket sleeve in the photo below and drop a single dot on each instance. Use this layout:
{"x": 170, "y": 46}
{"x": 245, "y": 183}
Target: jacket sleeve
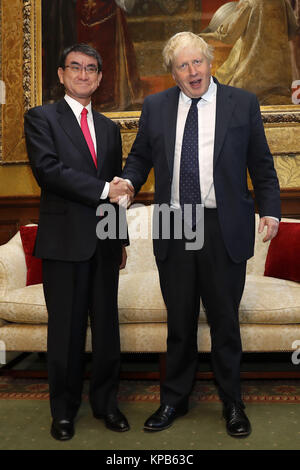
{"x": 139, "y": 161}
{"x": 261, "y": 167}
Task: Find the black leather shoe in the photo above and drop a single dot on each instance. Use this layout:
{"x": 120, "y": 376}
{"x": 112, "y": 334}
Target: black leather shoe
{"x": 237, "y": 423}
{"x": 163, "y": 418}
{"x": 62, "y": 429}
{"x": 115, "y": 421}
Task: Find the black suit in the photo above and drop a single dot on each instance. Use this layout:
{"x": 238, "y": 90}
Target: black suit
{"x": 217, "y": 272}
{"x": 80, "y": 272}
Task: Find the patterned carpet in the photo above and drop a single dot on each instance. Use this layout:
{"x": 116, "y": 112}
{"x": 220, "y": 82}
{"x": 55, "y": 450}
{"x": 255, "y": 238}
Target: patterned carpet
{"x": 254, "y": 391}
{"x": 272, "y": 407}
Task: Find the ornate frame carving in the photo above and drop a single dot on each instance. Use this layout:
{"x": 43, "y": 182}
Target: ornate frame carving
{"x": 20, "y": 68}
{"x": 20, "y": 71}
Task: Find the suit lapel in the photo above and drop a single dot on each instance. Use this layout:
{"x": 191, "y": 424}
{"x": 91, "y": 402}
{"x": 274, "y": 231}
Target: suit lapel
{"x": 71, "y": 127}
{"x": 224, "y": 109}
{"x": 101, "y": 139}
{"x": 170, "y": 119}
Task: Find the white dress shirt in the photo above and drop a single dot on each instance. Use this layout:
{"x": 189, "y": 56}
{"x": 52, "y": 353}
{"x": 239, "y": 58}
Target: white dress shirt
{"x": 77, "y": 109}
{"x": 206, "y": 134}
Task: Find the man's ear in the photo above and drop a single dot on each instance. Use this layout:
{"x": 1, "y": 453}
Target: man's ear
{"x": 60, "y": 73}
{"x": 99, "y": 78}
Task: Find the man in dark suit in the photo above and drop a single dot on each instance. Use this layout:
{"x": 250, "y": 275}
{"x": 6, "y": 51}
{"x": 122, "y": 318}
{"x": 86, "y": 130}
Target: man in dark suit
{"x": 201, "y": 137}
{"x": 74, "y": 153}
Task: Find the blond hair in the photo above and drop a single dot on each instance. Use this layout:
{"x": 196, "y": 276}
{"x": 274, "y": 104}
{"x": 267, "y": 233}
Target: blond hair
{"x": 182, "y": 40}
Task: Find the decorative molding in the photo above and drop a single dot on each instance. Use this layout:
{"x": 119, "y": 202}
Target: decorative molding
{"x": 27, "y": 53}
{"x": 1, "y": 76}
{"x": 19, "y": 201}
{"x": 278, "y": 118}
{"x": 127, "y": 121}
{"x": 21, "y": 72}
{"x": 126, "y": 125}
{"x": 286, "y": 114}
{"x": 17, "y": 163}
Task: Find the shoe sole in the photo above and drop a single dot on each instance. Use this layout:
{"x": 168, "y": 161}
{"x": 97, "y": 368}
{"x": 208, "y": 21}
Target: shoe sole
{"x": 67, "y": 438}
{"x": 240, "y": 434}
{"x": 149, "y": 429}
{"x": 117, "y": 430}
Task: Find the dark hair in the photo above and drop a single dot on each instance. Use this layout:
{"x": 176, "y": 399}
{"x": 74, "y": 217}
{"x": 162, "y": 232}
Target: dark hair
{"x": 84, "y": 49}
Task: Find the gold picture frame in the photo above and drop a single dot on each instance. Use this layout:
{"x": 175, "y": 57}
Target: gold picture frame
{"x": 21, "y": 72}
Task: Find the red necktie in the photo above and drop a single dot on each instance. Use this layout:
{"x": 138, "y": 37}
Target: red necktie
{"x": 87, "y": 134}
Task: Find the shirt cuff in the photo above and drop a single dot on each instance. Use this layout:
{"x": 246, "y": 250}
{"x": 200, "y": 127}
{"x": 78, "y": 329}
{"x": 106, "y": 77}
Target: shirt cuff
{"x": 270, "y": 217}
{"x": 128, "y": 181}
{"x": 105, "y": 191}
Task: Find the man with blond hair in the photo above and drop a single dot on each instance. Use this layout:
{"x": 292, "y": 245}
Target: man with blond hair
{"x": 201, "y": 137}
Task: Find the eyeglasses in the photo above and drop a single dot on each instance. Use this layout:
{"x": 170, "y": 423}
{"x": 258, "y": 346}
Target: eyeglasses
{"x": 89, "y": 69}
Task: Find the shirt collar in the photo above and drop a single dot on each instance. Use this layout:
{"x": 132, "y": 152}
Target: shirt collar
{"x": 209, "y": 95}
{"x": 78, "y": 107}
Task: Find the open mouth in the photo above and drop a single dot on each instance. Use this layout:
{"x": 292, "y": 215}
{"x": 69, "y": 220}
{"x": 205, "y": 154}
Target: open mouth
{"x": 196, "y": 83}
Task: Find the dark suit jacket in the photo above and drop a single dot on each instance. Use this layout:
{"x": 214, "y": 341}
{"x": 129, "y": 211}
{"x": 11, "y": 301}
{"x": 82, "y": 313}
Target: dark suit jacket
{"x": 240, "y": 144}
{"x": 71, "y": 185}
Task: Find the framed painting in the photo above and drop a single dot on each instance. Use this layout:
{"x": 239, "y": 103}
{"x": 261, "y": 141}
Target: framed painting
{"x": 130, "y": 35}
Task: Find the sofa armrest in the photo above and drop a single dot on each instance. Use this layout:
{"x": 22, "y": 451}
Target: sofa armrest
{"x": 13, "y": 268}
{"x": 140, "y": 256}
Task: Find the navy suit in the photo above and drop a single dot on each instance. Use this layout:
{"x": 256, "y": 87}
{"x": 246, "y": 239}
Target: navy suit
{"x": 217, "y": 272}
{"x": 71, "y": 185}
{"x": 80, "y": 272}
{"x": 240, "y": 143}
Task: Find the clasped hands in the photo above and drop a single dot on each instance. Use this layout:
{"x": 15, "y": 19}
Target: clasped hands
{"x": 121, "y": 192}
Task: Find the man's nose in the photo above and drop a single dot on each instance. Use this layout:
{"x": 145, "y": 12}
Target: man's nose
{"x": 83, "y": 73}
{"x": 192, "y": 69}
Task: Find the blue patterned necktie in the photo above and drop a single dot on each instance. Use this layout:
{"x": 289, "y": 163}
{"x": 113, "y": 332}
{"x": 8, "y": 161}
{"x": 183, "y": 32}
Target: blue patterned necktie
{"x": 189, "y": 182}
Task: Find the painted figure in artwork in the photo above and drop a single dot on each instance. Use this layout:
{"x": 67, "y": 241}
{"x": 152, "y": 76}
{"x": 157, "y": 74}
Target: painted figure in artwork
{"x": 295, "y": 43}
{"x": 102, "y": 24}
{"x": 260, "y": 60}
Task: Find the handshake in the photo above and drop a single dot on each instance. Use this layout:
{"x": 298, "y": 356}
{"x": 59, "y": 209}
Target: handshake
{"x": 121, "y": 192}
